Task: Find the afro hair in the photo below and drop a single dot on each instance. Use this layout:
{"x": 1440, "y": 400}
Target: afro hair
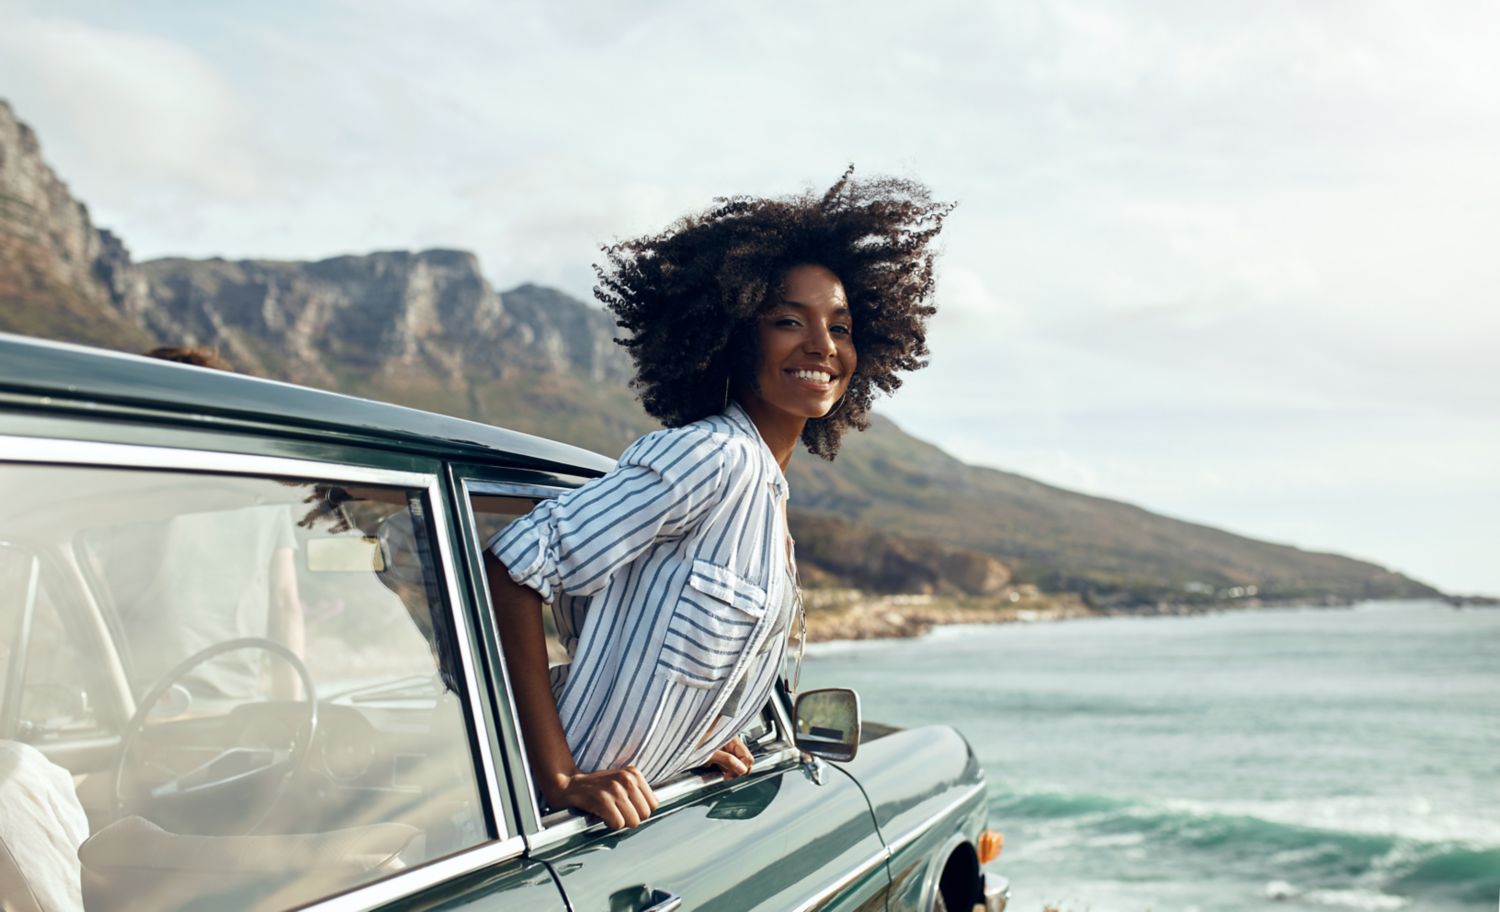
{"x": 689, "y": 296}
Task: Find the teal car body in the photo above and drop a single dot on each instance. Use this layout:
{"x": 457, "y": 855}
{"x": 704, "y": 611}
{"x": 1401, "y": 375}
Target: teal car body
{"x": 407, "y": 792}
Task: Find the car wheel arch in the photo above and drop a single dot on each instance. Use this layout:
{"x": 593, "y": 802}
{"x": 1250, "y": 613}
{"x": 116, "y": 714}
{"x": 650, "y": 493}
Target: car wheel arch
{"x": 953, "y": 875}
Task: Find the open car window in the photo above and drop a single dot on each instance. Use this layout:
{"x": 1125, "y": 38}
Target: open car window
{"x": 492, "y": 513}
{"x": 270, "y": 661}
{"x": 494, "y": 506}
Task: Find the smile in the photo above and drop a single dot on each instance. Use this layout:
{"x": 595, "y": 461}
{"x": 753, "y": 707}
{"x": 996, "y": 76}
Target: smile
{"x": 815, "y": 376}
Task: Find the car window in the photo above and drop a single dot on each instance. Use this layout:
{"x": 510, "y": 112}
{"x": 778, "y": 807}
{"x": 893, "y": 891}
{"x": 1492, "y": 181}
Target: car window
{"x": 285, "y": 646}
{"x": 492, "y": 513}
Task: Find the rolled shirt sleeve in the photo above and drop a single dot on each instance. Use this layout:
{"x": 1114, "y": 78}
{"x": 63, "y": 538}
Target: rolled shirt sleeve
{"x": 663, "y": 484}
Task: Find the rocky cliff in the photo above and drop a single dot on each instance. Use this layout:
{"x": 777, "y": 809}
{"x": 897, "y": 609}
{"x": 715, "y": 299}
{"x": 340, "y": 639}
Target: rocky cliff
{"x": 402, "y": 317}
{"x": 60, "y": 276}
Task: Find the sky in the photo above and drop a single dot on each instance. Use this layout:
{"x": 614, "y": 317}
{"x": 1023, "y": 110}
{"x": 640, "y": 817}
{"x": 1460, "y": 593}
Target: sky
{"x": 1234, "y": 262}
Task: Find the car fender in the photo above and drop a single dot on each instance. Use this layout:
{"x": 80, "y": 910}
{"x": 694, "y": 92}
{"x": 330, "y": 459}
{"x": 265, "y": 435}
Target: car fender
{"x": 927, "y": 792}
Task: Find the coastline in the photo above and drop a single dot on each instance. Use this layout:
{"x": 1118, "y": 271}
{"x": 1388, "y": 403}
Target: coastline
{"x": 844, "y": 615}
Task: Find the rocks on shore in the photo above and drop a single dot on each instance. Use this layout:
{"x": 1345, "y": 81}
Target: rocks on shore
{"x": 849, "y": 614}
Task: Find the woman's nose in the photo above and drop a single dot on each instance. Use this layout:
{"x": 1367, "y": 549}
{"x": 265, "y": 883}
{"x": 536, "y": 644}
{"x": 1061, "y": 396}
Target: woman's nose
{"x": 819, "y": 340}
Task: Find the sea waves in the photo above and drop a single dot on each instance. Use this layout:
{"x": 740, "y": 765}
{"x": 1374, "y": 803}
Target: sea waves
{"x": 1345, "y": 853}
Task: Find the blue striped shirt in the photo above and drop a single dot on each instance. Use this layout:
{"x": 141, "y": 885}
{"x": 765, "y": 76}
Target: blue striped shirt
{"x": 665, "y": 577}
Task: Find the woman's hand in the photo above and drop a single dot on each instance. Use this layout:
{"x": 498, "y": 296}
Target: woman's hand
{"x": 733, "y": 759}
{"x": 619, "y": 797}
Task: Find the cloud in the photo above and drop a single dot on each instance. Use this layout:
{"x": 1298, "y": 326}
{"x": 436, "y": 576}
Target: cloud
{"x": 119, "y": 111}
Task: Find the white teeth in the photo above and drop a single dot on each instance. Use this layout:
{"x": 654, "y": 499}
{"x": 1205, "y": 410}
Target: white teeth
{"x": 819, "y": 376}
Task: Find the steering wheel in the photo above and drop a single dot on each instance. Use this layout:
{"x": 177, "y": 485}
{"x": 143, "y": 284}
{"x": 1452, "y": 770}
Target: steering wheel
{"x": 227, "y": 769}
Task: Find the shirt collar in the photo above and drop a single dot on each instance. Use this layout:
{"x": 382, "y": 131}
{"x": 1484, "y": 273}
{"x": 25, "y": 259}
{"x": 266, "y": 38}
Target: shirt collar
{"x": 741, "y": 420}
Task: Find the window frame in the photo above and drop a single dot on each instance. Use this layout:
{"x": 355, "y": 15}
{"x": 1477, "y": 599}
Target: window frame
{"x": 545, "y": 830}
{"x": 58, "y": 571}
{"x": 501, "y": 844}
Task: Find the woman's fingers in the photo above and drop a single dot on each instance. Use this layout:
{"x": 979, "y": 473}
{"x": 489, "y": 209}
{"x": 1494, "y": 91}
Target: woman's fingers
{"x": 621, "y": 798}
{"x": 600, "y": 806}
{"x": 738, "y": 748}
{"x": 643, "y": 792}
{"x": 731, "y": 765}
{"x": 641, "y": 803}
{"x": 622, "y": 791}
{"x": 733, "y": 758}
{"x": 627, "y": 810}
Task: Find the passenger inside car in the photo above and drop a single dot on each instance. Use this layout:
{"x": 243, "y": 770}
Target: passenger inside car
{"x": 42, "y": 824}
{"x": 182, "y": 583}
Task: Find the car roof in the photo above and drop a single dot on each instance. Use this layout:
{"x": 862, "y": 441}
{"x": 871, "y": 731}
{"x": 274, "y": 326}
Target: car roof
{"x": 62, "y": 371}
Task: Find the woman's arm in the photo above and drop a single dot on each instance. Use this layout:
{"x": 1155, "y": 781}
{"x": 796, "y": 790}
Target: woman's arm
{"x": 662, "y": 486}
{"x": 620, "y": 797}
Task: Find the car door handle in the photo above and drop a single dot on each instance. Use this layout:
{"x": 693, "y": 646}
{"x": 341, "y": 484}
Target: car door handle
{"x": 662, "y": 901}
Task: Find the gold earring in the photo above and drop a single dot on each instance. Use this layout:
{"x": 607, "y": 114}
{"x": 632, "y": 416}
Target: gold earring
{"x": 839, "y": 404}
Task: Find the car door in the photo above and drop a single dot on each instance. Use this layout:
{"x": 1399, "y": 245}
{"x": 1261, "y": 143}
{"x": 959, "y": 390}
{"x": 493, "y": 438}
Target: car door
{"x": 129, "y": 574}
{"x": 787, "y": 836}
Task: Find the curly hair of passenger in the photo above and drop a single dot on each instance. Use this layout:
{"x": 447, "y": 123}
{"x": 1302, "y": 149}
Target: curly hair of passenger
{"x": 196, "y": 355}
{"x": 690, "y": 295}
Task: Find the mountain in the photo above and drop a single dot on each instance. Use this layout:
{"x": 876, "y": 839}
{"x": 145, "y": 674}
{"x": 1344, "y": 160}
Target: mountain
{"x": 60, "y": 277}
{"x": 1113, "y": 553}
{"x": 426, "y": 329}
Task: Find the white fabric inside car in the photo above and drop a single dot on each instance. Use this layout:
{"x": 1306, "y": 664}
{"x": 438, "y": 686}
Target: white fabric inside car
{"x": 42, "y": 824}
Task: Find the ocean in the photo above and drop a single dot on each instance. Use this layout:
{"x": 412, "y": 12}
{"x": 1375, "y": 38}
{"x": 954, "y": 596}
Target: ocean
{"x": 1274, "y": 759}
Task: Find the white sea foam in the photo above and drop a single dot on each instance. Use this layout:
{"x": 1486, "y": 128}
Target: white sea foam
{"x": 1363, "y": 900}
{"x": 1299, "y": 856}
{"x": 1409, "y": 818}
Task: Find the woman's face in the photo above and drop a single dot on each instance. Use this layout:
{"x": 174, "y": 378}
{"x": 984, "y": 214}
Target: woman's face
{"x": 806, "y": 346}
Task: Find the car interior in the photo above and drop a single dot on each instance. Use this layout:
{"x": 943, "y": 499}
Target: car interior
{"x": 221, "y": 691}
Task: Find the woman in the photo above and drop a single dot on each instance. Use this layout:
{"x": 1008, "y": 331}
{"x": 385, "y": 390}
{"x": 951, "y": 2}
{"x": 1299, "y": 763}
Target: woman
{"x": 754, "y": 325}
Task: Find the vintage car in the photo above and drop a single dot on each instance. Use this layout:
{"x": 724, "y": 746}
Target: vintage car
{"x": 247, "y": 661}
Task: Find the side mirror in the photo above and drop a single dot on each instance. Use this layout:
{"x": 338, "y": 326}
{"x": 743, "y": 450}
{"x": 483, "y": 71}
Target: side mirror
{"x": 827, "y": 723}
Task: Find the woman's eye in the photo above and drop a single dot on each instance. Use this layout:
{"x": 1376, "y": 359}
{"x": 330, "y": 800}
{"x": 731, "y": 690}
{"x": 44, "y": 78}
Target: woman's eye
{"x": 842, "y": 329}
{"x": 788, "y": 321}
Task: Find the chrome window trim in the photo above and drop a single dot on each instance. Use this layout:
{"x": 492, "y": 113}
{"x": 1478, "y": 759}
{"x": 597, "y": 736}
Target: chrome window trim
{"x": 133, "y": 456}
{"x": 482, "y": 723}
{"x": 823, "y": 895}
{"x": 781, "y": 700}
{"x": 501, "y": 845}
{"x": 565, "y": 824}
{"x": 470, "y": 487}
{"x": 512, "y": 488}
{"x": 414, "y": 880}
